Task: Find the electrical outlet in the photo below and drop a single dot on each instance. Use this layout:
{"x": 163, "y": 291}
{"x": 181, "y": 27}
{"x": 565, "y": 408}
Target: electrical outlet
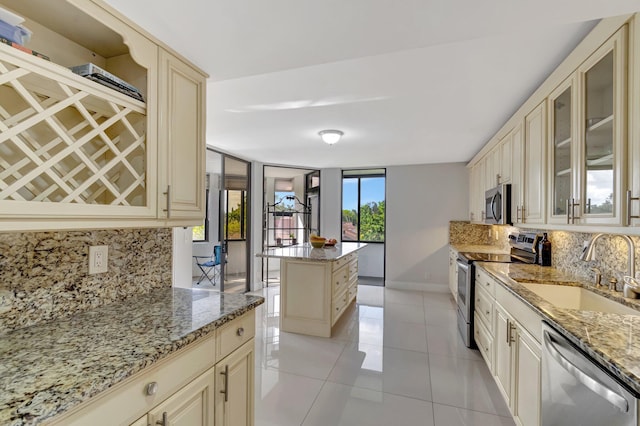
{"x": 98, "y": 258}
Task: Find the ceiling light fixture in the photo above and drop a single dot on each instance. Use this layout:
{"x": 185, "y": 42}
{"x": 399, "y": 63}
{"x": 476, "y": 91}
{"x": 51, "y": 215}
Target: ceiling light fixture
{"x": 330, "y": 136}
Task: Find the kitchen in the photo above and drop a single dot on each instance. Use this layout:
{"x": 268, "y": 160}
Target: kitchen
{"x": 415, "y": 245}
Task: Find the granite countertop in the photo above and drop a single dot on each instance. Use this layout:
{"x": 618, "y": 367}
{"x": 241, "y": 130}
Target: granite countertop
{"x": 306, "y": 252}
{"x": 479, "y": 248}
{"x": 49, "y": 368}
{"x": 611, "y": 339}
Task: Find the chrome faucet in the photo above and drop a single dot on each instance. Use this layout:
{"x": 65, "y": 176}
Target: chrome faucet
{"x": 587, "y": 254}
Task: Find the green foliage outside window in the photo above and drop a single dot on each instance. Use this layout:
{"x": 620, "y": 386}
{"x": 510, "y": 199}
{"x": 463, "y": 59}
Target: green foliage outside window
{"x": 372, "y": 221}
{"x": 198, "y": 233}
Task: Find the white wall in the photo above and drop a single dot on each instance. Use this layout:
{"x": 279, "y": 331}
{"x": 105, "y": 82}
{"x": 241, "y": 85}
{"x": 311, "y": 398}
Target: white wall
{"x": 421, "y": 200}
{"x": 371, "y": 261}
{"x": 182, "y": 257}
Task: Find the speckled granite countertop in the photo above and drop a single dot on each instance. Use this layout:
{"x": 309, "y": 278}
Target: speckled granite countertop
{"x": 306, "y": 252}
{"x": 478, "y": 248}
{"x": 611, "y": 339}
{"x": 49, "y": 368}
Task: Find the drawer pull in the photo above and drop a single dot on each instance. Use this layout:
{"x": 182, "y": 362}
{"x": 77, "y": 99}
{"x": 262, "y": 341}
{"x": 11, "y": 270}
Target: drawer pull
{"x": 240, "y": 331}
{"x": 225, "y": 391}
{"x": 164, "y": 421}
{"x": 151, "y": 388}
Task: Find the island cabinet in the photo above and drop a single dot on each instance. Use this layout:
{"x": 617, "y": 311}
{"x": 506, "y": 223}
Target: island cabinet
{"x": 209, "y": 382}
{"x": 79, "y": 154}
{"x": 315, "y": 294}
{"x": 508, "y": 334}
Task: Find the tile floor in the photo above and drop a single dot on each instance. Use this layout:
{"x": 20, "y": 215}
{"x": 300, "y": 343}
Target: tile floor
{"x": 395, "y": 359}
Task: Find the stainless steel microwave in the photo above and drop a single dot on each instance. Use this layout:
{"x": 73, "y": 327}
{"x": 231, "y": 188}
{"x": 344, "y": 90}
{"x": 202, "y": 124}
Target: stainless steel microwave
{"x": 498, "y": 205}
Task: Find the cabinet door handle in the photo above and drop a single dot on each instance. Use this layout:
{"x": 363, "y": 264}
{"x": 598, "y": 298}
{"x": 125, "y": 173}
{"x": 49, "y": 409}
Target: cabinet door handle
{"x": 508, "y": 332}
{"x": 517, "y": 214}
{"x": 168, "y": 194}
{"x": 629, "y": 216}
{"x": 240, "y": 331}
{"x": 225, "y": 391}
{"x": 569, "y": 211}
{"x": 164, "y": 421}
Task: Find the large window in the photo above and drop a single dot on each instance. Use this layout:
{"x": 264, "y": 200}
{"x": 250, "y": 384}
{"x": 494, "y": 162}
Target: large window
{"x": 363, "y": 205}
{"x": 236, "y": 217}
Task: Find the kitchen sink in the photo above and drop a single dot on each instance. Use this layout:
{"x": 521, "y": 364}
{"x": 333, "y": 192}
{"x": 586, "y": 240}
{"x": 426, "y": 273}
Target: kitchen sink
{"x": 570, "y": 297}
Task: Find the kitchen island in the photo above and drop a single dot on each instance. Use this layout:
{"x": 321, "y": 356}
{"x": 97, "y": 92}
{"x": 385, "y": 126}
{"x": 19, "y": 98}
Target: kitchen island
{"x": 116, "y": 363}
{"x": 317, "y": 285}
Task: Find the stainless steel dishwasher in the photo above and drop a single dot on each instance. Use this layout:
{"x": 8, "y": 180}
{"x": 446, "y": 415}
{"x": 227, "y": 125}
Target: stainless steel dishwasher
{"x": 577, "y": 391}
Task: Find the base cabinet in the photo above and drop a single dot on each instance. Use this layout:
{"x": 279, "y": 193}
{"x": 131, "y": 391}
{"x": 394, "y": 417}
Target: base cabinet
{"x": 513, "y": 336}
{"x": 453, "y": 274}
{"x": 208, "y": 383}
{"x": 190, "y": 406}
{"x": 234, "y": 388}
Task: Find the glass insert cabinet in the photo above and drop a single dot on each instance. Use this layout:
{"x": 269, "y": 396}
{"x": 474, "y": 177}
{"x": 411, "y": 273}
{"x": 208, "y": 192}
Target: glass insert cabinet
{"x": 587, "y": 132}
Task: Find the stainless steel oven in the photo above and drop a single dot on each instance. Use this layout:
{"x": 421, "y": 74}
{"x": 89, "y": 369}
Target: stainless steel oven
{"x": 522, "y": 251}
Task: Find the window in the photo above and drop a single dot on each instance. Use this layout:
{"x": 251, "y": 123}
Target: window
{"x": 200, "y": 233}
{"x": 235, "y": 224}
{"x": 363, "y": 205}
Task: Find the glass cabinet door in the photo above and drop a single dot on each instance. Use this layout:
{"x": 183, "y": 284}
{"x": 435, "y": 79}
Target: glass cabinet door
{"x": 598, "y": 141}
{"x": 602, "y": 130}
{"x": 562, "y": 108}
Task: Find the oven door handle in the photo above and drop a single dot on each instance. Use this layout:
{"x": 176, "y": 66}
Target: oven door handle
{"x": 596, "y": 386}
{"x": 463, "y": 266}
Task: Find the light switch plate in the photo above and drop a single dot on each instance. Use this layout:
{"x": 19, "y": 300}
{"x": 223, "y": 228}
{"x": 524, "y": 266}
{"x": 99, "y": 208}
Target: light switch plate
{"x": 98, "y": 258}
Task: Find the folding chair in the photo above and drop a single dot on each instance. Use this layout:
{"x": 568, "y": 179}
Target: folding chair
{"x": 209, "y": 265}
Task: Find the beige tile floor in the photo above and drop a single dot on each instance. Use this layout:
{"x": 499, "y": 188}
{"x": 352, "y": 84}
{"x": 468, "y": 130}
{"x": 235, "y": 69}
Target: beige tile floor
{"x": 395, "y": 359}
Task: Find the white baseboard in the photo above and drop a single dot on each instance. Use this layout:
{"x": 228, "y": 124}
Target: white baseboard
{"x": 410, "y": 285}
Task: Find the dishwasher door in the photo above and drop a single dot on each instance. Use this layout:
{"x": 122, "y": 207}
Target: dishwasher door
{"x": 576, "y": 391}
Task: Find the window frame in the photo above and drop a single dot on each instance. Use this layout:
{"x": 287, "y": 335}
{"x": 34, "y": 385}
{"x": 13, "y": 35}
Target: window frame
{"x": 353, "y": 174}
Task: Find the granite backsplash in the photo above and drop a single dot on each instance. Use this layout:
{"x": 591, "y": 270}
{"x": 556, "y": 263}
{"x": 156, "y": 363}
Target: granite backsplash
{"x": 610, "y": 250}
{"x": 44, "y": 275}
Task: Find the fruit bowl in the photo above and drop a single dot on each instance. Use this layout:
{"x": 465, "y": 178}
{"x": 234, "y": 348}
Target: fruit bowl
{"x": 317, "y": 243}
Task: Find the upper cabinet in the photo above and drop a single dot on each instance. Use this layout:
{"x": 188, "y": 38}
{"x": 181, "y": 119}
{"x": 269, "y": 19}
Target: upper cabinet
{"x": 602, "y": 132}
{"x": 587, "y": 133}
{"x": 182, "y": 140}
{"x": 535, "y": 137}
{"x": 75, "y": 153}
{"x": 562, "y": 145}
{"x": 578, "y": 146}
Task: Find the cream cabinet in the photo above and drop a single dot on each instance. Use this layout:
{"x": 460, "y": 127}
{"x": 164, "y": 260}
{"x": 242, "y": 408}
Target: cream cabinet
{"x": 602, "y": 132}
{"x": 192, "y": 405}
{"x": 534, "y": 166}
{"x": 476, "y": 192}
{"x": 632, "y": 195}
{"x": 587, "y": 131}
{"x": 209, "y": 382}
{"x": 515, "y": 140}
{"x": 182, "y": 140}
{"x": 315, "y": 294}
{"x": 508, "y": 334}
{"x": 75, "y": 149}
{"x": 234, "y": 388}
{"x": 453, "y": 274}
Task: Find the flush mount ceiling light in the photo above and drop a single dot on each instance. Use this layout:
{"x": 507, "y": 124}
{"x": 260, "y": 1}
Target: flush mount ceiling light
{"x": 330, "y": 136}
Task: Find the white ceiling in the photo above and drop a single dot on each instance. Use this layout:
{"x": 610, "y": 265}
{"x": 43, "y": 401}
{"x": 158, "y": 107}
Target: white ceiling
{"x": 409, "y": 82}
